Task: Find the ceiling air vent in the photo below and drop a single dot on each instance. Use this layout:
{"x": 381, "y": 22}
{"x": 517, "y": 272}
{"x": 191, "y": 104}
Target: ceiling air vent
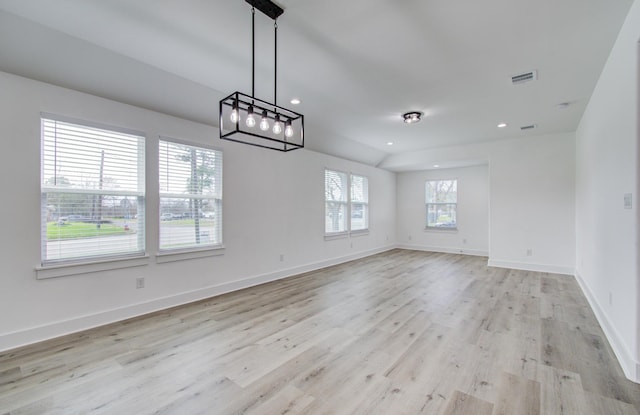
{"x": 528, "y": 127}
{"x": 523, "y": 78}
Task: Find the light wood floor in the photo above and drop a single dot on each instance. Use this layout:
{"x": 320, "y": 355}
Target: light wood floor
{"x": 402, "y": 332}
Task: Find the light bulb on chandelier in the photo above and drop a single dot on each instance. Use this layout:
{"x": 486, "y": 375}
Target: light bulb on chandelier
{"x": 277, "y": 125}
{"x": 251, "y": 120}
{"x": 264, "y": 122}
{"x": 288, "y": 129}
{"x": 235, "y": 116}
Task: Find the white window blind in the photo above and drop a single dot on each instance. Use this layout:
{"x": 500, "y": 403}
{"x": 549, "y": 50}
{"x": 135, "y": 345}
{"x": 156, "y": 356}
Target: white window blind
{"x": 442, "y": 203}
{"x": 336, "y": 190}
{"x": 92, "y": 192}
{"x": 190, "y": 196}
{"x": 359, "y": 203}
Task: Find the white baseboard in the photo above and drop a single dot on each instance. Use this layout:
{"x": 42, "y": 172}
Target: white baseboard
{"x": 60, "y": 328}
{"x": 474, "y": 252}
{"x": 629, "y": 365}
{"x": 526, "y": 266}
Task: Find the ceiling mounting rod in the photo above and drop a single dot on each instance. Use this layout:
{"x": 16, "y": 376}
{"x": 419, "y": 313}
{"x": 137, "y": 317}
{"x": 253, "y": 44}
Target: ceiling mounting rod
{"x": 267, "y": 7}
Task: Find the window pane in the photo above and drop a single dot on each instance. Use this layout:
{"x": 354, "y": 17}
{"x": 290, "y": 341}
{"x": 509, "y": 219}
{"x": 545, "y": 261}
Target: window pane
{"x": 441, "y": 215}
{"x": 190, "y": 196}
{"x": 92, "y": 192}
{"x": 335, "y": 186}
{"x": 359, "y": 216}
{"x": 442, "y": 191}
{"x": 180, "y": 228}
{"x": 335, "y": 217}
{"x": 359, "y": 189}
{"x": 336, "y": 196}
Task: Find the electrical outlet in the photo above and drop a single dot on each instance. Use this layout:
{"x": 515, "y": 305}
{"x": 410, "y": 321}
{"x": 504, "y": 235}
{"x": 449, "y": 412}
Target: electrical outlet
{"x": 139, "y": 282}
{"x": 351, "y": 244}
{"x": 464, "y": 241}
{"x": 529, "y": 252}
{"x": 409, "y": 237}
{"x": 281, "y": 257}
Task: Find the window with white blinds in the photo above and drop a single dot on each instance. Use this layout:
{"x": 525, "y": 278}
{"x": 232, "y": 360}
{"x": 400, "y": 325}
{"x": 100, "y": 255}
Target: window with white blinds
{"x": 346, "y": 202}
{"x": 92, "y": 191}
{"x": 190, "y": 196}
{"x": 359, "y": 203}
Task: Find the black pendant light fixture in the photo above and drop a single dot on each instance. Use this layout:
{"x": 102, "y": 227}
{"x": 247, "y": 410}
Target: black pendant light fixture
{"x": 249, "y": 120}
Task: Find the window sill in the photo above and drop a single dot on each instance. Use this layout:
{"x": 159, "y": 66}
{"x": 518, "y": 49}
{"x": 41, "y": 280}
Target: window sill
{"x": 344, "y": 235}
{"x": 67, "y": 269}
{"x": 337, "y": 235}
{"x": 443, "y": 229}
{"x": 186, "y": 254}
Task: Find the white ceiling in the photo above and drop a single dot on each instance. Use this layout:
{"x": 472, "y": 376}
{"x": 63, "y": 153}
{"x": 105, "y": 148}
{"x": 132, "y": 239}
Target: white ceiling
{"x": 357, "y": 65}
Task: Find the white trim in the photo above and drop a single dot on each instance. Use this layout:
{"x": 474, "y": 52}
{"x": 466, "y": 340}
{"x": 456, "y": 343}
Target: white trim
{"x": 445, "y": 250}
{"x": 442, "y": 229}
{"x": 189, "y": 143}
{"x": 335, "y": 235}
{"x": 163, "y": 257}
{"x": 60, "y": 328}
{"x": 64, "y": 269}
{"x": 91, "y": 124}
{"x": 526, "y": 266}
{"x": 630, "y": 367}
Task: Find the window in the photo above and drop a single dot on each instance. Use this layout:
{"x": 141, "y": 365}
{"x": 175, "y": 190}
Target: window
{"x": 190, "y": 196}
{"x": 441, "y": 200}
{"x": 346, "y": 202}
{"x": 92, "y": 192}
{"x": 359, "y": 203}
{"x": 336, "y": 201}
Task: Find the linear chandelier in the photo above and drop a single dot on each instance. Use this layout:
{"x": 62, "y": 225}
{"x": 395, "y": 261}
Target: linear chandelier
{"x": 249, "y": 120}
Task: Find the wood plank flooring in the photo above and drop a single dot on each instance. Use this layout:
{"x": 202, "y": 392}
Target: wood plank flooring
{"x": 402, "y": 332}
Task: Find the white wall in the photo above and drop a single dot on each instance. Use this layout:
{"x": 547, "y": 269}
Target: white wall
{"x": 273, "y": 205}
{"x": 472, "y": 236}
{"x": 607, "y": 168}
{"x": 532, "y": 203}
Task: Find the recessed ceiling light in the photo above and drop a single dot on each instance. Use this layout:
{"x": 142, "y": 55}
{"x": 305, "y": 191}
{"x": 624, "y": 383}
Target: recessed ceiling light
{"x": 390, "y": 143}
{"x": 436, "y": 165}
{"x": 295, "y": 101}
{"x": 502, "y": 125}
{"x": 562, "y": 105}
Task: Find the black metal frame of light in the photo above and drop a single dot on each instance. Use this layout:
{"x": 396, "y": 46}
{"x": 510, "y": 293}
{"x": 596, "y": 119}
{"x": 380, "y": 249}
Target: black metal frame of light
{"x": 238, "y": 107}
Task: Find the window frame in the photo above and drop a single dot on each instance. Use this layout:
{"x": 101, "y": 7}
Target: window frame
{"x": 437, "y": 204}
{"x": 166, "y": 254}
{"x": 55, "y": 267}
{"x": 348, "y": 205}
